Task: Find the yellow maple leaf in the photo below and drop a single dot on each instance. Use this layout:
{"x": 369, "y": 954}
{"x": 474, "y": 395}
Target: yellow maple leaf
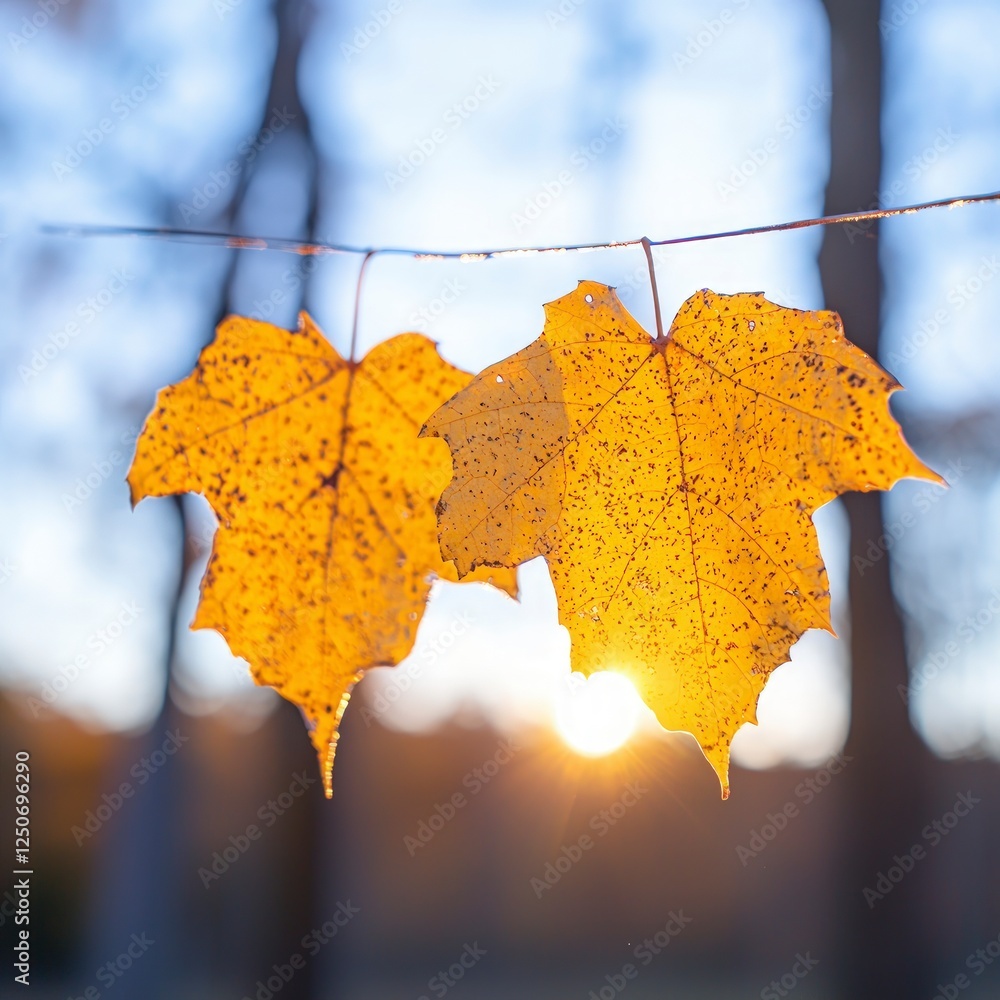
{"x": 327, "y": 545}
{"x": 670, "y": 485}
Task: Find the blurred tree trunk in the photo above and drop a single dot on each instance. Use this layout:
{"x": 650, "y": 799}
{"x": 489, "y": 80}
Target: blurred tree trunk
{"x": 145, "y": 865}
{"x": 882, "y": 951}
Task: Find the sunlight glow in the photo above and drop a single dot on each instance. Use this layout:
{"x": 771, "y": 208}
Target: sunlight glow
{"x": 597, "y": 715}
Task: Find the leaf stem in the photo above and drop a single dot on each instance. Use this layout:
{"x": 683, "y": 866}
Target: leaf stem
{"x": 660, "y": 339}
{"x": 357, "y": 305}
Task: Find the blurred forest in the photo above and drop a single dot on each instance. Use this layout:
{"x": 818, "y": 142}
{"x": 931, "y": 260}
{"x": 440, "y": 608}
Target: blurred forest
{"x": 378, "y": 897}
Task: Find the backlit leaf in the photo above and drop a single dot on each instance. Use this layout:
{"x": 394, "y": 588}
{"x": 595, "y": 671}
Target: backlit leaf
{"x": 670, "y": 485}
{"x": 327, "y": 545}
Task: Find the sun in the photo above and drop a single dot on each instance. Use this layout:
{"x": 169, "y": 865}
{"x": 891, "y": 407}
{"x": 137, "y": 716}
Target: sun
{"x": 599, "y": 714}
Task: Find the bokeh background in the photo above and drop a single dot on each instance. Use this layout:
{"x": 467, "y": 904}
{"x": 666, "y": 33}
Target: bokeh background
{"x": 447, "y": 125}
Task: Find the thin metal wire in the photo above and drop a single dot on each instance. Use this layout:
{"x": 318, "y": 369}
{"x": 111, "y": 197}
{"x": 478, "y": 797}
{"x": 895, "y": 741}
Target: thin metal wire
{"x": 318, "y": 248}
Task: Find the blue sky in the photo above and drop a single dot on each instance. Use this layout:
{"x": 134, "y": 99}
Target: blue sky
{"x": 450, "y": 125}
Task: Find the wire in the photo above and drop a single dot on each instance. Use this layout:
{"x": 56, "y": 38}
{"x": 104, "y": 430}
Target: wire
{"x": 283, "y": 244}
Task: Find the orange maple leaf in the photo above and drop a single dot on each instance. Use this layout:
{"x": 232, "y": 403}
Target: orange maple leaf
{"x": 327, "y": 546}
{"x": 670, "y": 484}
